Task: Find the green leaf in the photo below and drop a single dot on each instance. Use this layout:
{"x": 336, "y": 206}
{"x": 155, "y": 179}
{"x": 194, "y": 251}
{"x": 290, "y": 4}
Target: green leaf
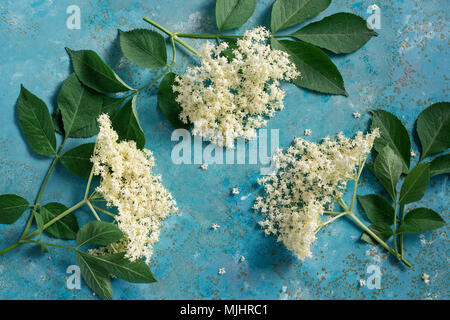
{"x": 94, "y": 73}
{"x": 433, "y": 128}
{"x": 39, "y": 223}
{"x": 44, "y": 248}
{"x": 80, "y": 108}
{"x": 96, "y": 277}
{"x": 317, "y": 71}
{"x": 11, "y": 208}
{"x": 377, "y": 208}
{"x": 393, "y": 134}
{"x": 144, "y": 47}
{"x": 126, "y": 124}
{"x": 440, "y": 165}
{"x": 286, "y": 13}
{"x": 57, "y": 121}
{"x": 98, "y": 232}
{"x": 228, "y": 53}
{"x": 420, "y": 220}
{"x": 65, "y": 228}
{"x": 167, "y": 103}
{"x": 340, "y": 33}
{"x": 231, "y": 14}
{"x": 119, "y": 266}
{"x": 415, "y": 184}
{"x": 40, "y": 227}
{"x": 382, "y": 231}
{"x": 111, "y": 105}
{"x": 36, "y": 123}
{"x": 388, "y": 168}
{"x": 78, "y": 160}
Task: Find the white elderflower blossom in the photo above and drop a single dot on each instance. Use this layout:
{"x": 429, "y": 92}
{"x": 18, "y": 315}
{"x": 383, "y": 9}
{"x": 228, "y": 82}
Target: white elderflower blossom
{"x": 228, "y": 99}
{"x": 310, "y": 176}
{"x": 215, "y": 226}
{"x": 128, "y": 184}
{"x": 222, "y": 271}
{"x": 426, "y": 278}
{"x": 204, "y": 166}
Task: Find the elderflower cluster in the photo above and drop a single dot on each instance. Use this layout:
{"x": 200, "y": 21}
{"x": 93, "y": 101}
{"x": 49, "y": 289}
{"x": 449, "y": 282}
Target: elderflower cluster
{"x": 128, "y": 184}
{"x": 230, "y": 98}
{"x": 310, "y": 176}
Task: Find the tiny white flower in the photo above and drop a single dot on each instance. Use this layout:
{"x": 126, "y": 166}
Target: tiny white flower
{"x": 356, "y": 115}
{"x": 215, "y": 226}
{"x": 362, "y": 282}
{"x": 426, "y": 278}
{"x": 413, "y": 153}
{"x": 222, "y": 271}
{"x": 204, "y": 166}
{"x": 242, "y": 259}
{"x": 235, "y": 190}
{"x": 308, "y": 132}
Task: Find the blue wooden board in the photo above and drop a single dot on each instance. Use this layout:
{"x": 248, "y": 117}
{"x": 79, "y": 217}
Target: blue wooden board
{"x": 403, "y": 70}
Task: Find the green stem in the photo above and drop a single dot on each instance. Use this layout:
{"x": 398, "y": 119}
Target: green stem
{"x": 6, "y": 250}
{"x": 402, "y": 219}
{"x": 88, "y": 185}
{"x": 342, "y": 204}
{"x": 331, "y": 220}
{"x": 48, "y": 244}
{"x": 334, "y": 213}
{"x": 355, "y": 187}
{"x": 41, "y": 190}
{"x": 93, "y": 211}
{"x": 395, "y": 228}
{"x": 158, "y": 26}
{"x": 184, "y": 44}
{"x": 174, "y": 52}
{"x": 217, "y": 36}
{"x": 356, "y": 180}
{"x": 95, "y": 196}
{"x": 103, "y": 210}
{"x": 376, "y": 238}
{"x": 207, "y": 36}
{"x": 372, "y": 234}
{"x": 171, "y": 34}
{"x": 25, "y": 238}
{"x": 57, "y": 218}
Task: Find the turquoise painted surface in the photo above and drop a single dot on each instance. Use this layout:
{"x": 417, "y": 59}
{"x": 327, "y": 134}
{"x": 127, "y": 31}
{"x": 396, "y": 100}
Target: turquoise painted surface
{"x": 403, "y": 71}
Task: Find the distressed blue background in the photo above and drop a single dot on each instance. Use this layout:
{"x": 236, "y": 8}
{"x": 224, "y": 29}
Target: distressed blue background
{"x": 403, "y": 71}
